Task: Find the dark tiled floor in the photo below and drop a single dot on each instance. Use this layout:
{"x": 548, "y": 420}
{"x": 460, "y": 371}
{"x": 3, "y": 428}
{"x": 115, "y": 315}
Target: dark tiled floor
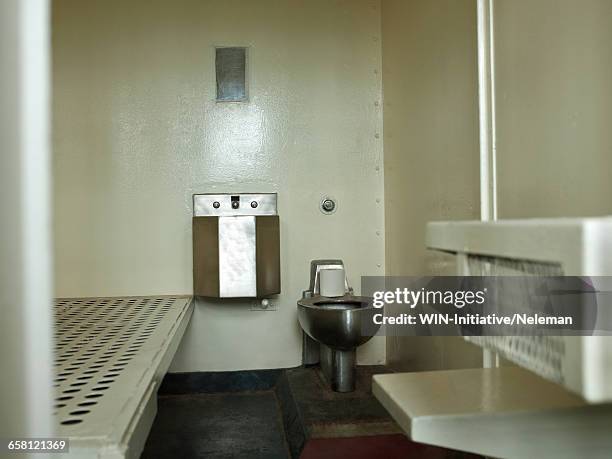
{"x": 376, "y": 447}
{"x": 325, "y": 413}
{"x": 311, "y": 410}
{"x": 217, "y": 426}
{"x": 291, "y": 413}
{"x": 214, "y": 382}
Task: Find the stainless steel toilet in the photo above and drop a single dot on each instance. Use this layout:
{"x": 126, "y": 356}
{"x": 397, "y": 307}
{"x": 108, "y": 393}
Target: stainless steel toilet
{"x": 333, "y": 328}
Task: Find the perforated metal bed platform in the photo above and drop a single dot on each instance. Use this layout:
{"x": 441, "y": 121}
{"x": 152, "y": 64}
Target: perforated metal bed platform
{"x": 110, "y": 356}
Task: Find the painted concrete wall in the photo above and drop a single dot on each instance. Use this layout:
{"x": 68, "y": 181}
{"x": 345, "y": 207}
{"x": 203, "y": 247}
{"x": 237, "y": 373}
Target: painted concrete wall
{"x": 554, "y": 106}
{"x": 431, "y": 149}
{"x": 554, "y": 103}
{"x": 137, "y": 132}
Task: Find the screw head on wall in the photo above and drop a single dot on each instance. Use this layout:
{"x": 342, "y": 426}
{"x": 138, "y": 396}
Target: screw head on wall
{"x": 328, "y": 205}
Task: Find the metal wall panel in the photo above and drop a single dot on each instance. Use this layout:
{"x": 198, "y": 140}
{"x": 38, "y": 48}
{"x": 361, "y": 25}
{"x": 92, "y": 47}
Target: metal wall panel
{"x": 268, "y": 255}
{"x": 237, "y": 268}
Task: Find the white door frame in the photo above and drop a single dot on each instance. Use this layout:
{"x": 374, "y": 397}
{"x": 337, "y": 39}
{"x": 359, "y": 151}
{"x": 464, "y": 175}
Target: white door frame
{"x": 486, "y": 112}
{"x": 25, "y": 221}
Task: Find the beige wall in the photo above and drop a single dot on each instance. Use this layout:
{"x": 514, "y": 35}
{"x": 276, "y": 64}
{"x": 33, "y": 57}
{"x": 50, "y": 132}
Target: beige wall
{"x": 554, "y": 107}
{"x": 137, "y": 132}
{"x": 554, "y": 103}
{"x": 431, "y": 149}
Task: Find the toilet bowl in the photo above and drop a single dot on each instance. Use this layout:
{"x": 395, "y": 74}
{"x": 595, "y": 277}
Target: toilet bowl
{"x": 334, "y": 326}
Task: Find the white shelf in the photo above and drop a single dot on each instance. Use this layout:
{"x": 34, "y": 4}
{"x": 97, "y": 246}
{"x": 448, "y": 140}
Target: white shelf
{"x": 576, "y": 244}
{"x": 111, "y": 354}
{"x": 498, "y": 412}
{"x": 558, "y": 246}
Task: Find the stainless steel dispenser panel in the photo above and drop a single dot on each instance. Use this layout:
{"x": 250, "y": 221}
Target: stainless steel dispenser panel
{"x": 206, "y": 256}
{"x": 236, "y": 245}
{"x": 220, "y": 205}
{"x": 237, "y": 267}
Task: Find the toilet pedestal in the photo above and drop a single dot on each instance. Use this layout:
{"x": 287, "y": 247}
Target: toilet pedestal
{"x": 339, "y": 368}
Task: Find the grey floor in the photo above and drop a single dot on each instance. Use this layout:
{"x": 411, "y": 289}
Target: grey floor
{"x": 267, "y": 414}
{"x": 216, "y": 426}
{"x": 330, "y": 414}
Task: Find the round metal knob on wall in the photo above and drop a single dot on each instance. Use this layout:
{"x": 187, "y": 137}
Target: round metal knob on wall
{"x": 328, "y": 205}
